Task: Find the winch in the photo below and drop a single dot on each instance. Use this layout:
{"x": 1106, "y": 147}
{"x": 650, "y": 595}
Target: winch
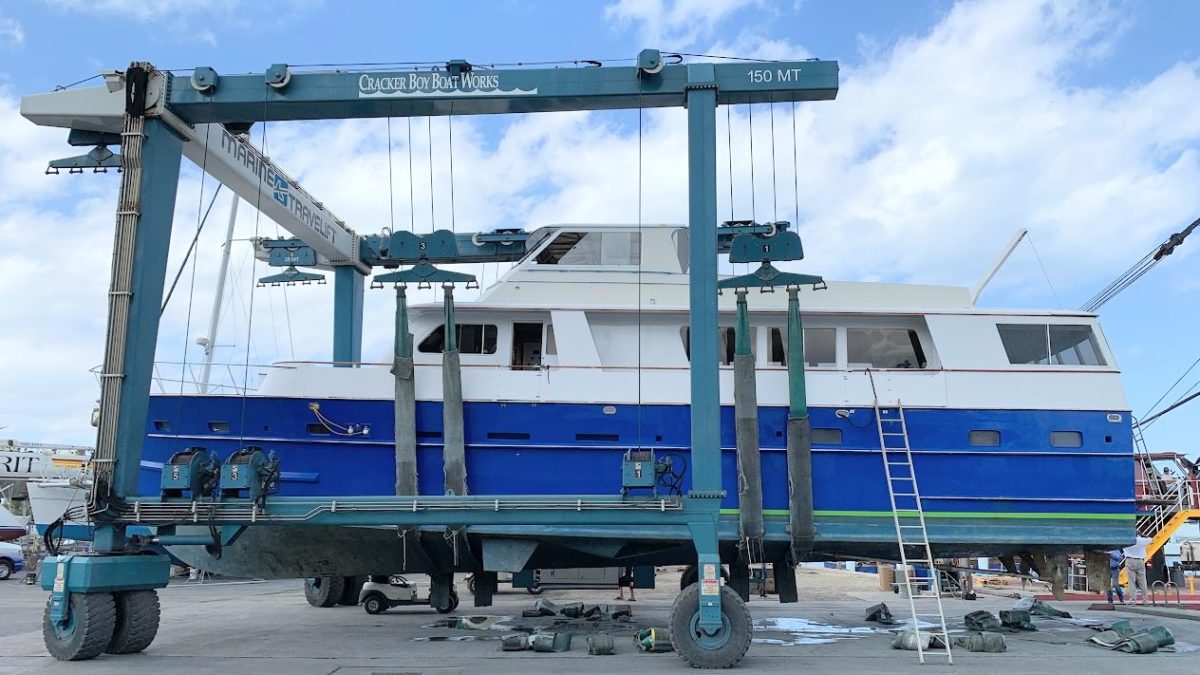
{"x": 193, "y": 471}
{"x": 249, "y": 474}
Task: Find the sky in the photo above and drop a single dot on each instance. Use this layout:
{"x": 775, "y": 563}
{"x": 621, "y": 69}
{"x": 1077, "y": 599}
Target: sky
{"x": 956, "y": 124}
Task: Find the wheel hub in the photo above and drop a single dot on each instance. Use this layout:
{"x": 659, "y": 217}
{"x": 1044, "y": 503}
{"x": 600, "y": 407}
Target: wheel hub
{"x": 707, "y": 638}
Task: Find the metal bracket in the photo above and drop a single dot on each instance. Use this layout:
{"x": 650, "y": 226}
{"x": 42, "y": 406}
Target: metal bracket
{"x": 290, "y": 277}
{"x": 99, "y": 160}
{"x": 767, "y": 277}
{"x": 424, "y": 275}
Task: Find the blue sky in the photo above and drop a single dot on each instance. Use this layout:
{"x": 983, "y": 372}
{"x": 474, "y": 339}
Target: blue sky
{"x": 957, "y": 123}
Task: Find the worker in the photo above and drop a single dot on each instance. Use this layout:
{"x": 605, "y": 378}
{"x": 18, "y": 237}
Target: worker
{"x": 1115, "y": 558}
{"x": 625, "y": 579}
{"x": 1135, "y": 569}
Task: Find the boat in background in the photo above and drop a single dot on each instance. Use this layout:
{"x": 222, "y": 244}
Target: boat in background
{"x": 52, "y": 476}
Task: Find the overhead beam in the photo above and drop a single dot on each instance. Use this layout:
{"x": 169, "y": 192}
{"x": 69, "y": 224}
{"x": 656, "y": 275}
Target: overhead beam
{"x": 401, "y": 93}
{"x": 231, "y": 159}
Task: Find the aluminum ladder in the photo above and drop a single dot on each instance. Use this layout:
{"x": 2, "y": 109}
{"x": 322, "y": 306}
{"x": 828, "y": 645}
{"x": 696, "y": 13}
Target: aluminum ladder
{"x": 911, "y": 535}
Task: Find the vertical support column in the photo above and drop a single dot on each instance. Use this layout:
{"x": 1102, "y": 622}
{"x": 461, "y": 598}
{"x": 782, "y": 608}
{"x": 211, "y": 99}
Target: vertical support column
{"x": 143, "y": 267}
{"x": 706, "y": 493}
{"x": 702, "y": 256}
{"x": 347, "y": 315}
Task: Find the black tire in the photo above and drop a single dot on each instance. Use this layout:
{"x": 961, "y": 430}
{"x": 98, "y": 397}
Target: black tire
{"x": 138, "y": 614}
{"x": 451, "y": 604}
{"x": 6, "y": 569}
{"x": 534, "y": 590}
{"x": 375, "y": 603}
{"x": 323, "y": 591}
{"x": 471, "y": 584}
{"x": 93, "y": 620}
{"x": 737, "y": 630}
{"x": 351, "y": 589}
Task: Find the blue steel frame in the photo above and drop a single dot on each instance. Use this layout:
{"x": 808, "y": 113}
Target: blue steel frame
{"x": 281, "y": 95}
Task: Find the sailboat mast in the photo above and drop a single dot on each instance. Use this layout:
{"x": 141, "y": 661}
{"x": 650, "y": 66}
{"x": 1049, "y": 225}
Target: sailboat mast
{"x": 210, "y": 341}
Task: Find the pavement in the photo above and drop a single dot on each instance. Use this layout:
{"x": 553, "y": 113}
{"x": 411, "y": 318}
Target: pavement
{"x": 266, "y": 628}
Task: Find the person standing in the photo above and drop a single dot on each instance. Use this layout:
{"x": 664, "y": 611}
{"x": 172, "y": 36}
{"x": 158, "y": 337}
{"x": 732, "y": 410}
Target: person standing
{"x": 1115, "y": 558}
{"x": 1135, "y": 569}
{"x": 625, "y": 579}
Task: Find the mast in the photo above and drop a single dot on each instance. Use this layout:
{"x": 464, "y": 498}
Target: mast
{"x": 209, "y": 342}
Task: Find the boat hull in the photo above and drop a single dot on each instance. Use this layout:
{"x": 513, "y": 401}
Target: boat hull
{"x": 1023, "y": 491}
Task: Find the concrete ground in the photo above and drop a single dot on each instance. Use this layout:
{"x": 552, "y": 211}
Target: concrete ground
{"x": 266, "y": 627}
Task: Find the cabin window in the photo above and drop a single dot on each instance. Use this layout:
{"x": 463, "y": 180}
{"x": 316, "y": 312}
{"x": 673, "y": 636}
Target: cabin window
{"x": 1066, "y": 439}
{"x": 1042, "y": 344}
{"x": 680, "y": 237}
{"x": 1074, "y": 346}
{"x": 827, "y": 436}
{"x": 551, "y": 346}
{"x": 726, "y": 343}
{"x": 527, "y": 346}
{"x": 618, "y": 249}
{"x": 820, "y": 347}
{"x": 884, "y": 348}
{"x": 984, "y": 437}
{"x": 473, "y": 338}
{"x": 218, "y": 427}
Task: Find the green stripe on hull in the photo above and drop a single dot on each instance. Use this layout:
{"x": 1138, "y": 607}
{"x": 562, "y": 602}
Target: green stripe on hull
{"x": 953, "y": 514}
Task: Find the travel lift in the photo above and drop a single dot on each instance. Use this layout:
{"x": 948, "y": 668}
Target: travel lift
{"x": 105, "y": 601}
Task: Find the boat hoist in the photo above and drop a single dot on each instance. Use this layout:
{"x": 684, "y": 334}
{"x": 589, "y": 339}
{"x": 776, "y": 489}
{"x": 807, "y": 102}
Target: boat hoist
{"x": 157, "y": 117}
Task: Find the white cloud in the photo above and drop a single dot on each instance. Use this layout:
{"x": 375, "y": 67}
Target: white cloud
{"x": 11, "y": 32}
{"x": 674, "y": 24}
{"x": 192, "y": 20}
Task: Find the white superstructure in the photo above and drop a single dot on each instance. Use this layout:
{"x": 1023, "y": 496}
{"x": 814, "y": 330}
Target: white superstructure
{"x": 598, "y": 314}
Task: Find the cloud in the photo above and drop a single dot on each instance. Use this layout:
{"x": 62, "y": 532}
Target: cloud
{"x": 193, "y": 20}
{"x": 674, "y": 24}
{"x": 11, "y": 32}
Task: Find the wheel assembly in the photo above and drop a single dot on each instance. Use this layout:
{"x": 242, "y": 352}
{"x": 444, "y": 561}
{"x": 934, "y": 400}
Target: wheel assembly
{"x": 136, "y": 623}
{"x": 324, "y": 591}
{"x": 88, "y": 630}
{"x": 706, "y": 648}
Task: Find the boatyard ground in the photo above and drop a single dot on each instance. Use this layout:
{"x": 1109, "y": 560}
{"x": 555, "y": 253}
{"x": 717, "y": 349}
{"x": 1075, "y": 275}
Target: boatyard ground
{"x": 266, "y": 627}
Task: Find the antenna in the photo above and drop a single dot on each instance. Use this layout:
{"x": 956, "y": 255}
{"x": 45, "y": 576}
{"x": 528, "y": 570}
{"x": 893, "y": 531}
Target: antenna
{"x": 1003, "y": 258}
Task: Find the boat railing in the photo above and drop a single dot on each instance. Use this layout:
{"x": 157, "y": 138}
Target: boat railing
{"x": 177, "y": 377}
{"x": 1175, "y": 498}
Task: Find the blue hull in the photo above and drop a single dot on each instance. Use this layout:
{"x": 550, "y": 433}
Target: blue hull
{"x": 552, "y": 448}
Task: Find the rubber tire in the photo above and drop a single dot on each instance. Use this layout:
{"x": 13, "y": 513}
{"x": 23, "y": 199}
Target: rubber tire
{"x": 138, "y": 613}
{"x": 375, "y": 603}
{"x": 453, "y": 605}
{"x": 471, "y": 584}
{"x": 95, "y": 618}
{"x": 323, "y": 591}
{"x": 690, "y": 576}
{"x": 351, "y": 589}
{"x": 534, "y": 590}
{"x": 6, "y": 570}
{"x": 687, "y": 603}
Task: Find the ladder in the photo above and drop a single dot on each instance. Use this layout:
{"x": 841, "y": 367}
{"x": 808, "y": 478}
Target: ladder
{"x": 911, "y": 535}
